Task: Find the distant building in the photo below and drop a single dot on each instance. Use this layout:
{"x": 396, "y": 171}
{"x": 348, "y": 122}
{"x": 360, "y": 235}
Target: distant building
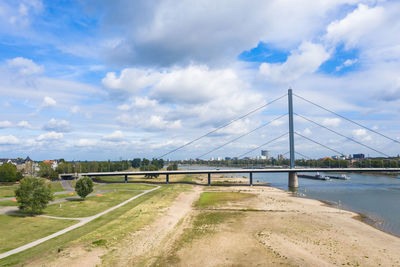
{"x": 358, "y": 156}
{"x": 265, "y": 154}
{"x": 280, "y": 157}
{"x": 227, "y": 158}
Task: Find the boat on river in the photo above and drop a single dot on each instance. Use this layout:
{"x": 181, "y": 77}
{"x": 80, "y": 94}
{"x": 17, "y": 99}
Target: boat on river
{"x": 317, "y": 176}
{"x": 340, "y": 177}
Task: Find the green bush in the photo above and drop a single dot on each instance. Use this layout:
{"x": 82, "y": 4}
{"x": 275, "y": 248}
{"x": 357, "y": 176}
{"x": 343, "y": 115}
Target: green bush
{"x": 150, "y": 167}
{"x": 8, "y": 172}
{"x": 33, "y": 195}
{"x": 172, "y": 167}
{"x": 84, "y": 186}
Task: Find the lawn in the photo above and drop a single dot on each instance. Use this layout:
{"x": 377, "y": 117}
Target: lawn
{"x": 27, "y": 229}
{"x": 7, "y": 191}
{"x": 212, "y": 199}
{"x": 90, "y": 206}
{"x": 128, "y": 186}
{"x": 110, "y": 230}
{"x": 72, "y": 194}
{"x": 56, "y": 186}
{"x": 8, "y": 203}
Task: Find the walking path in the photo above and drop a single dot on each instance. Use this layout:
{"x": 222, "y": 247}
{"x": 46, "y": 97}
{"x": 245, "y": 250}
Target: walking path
{"x": 82, "y": 222}
{"x": 67, "y": 185}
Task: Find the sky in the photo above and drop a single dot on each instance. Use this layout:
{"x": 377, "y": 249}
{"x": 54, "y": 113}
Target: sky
{"x": 99, "y": 80}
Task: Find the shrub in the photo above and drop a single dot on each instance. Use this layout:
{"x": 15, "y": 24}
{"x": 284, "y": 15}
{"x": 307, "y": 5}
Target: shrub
{"x": 33, "y": 195}
{"x": 8, "y": 172}
{"x": 149, "y": 168}
{"x": 84, "y": 186}
{"x": 172, "y": 167}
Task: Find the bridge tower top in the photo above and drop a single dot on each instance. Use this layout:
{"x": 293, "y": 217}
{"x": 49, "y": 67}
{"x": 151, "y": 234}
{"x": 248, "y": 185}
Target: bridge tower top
{"x": 291, "y": 129}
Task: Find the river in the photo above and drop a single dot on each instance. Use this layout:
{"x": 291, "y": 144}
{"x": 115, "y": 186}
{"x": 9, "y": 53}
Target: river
{"x": 377, "y": 197}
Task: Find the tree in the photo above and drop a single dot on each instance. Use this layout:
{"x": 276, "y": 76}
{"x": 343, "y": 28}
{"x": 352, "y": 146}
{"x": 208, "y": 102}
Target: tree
{"x": 8, "y": 172}
{"x": 172, "y": 167}
{"x": 33, "y": 194}
{"x": 149, "y": 168}
{"x": 136, "y": 163}
{"x": 84, "y": 186}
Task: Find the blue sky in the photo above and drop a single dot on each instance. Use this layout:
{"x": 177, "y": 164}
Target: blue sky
{"x": 109, "y": 79}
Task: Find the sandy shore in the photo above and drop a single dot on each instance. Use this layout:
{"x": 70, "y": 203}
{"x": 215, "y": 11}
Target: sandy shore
{"x": 270, "y": 227}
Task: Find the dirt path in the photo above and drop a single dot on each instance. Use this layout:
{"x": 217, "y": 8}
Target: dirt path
{"x": 144, "y": 245}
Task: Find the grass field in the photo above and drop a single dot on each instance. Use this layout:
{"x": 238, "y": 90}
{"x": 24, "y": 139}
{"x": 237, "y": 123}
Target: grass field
{"x": 56, "y": 187}
{"x": 109, "y": 230}
{"x": 90, "y": 206}
{"x": 27, "y": 229}
{"x": 124, "y": 186}
{"x": 8, "y": 203}
{"x": 7, "y": 191}
{"x": 212, "y": 199}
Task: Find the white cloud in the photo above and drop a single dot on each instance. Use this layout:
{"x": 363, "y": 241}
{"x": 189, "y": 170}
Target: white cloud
{"x": 24, "y": 124}
{"x": 48, "y": 102}
{"x": 116, "y": 136}
{"x": 5, "y": 124}
{"x": 50, "y": 136}
{"x": 356, "y": 25}
{"x": 86, "y": 142}
{"x": 139, "y": 102}
{"x": 132, "y": 80}
{"x": 75, "y": 109}
{"x": 347, "y": 63}
{"x": 9, "y": 140}
{"x": 334, "y": 122}
{"x": 359, "y": 132}
{"x": 305, "y": 60}
{"x": 307, "y": 131}
{"x": 25, "y": 66}
{"x": 57, "y": 125}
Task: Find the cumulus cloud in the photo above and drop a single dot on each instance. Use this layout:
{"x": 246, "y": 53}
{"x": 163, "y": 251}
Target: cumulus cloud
{"x": 359, "y": 132}
{"x": 304, "y": 60}
{"x": 9, "y": 140}
{"x": 50, "y": 136}
{"x": 356, "y": 25}
{"x": 57, "y": 126}
{"x": 25, "y": 66}
{"x": 48, "y": 102}
{"x": 86, "y": 142}
{"x": 5, "y": 124}
{"x": 138, "y": 102}
{"x": 75, "y": 109}
{"x": 116, "y": 136}
{"x": 347, "y": 63}
{"x": 24, "y": 124}
{"x": 334, "y": 122}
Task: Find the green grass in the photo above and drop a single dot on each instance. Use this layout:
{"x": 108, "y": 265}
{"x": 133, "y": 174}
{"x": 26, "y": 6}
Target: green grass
{"x": 112, "y": 227}
{"x": 56, "y": 187}
{"x": 124, "y": 186}
{"x": 212, "y": 199}
{"x": 7, "y": 191}
{"x": 90, "y": 206}
{"x": 8, "y": 203}
{"x": 27, "y": 229}
{"x": 65, "y": 195}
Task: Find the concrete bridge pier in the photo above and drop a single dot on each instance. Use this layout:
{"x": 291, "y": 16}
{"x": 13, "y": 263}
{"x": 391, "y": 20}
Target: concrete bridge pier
{"x": 126, "y": 178}
{"x": 167, "y": 178}
{"x": 209, "y": 179}
{"x": 251, "y": 179}
{"x": 293, "y": 180}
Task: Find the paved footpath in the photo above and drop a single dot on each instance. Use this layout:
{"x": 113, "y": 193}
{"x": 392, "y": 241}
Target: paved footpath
{"x": 83, "y": 221}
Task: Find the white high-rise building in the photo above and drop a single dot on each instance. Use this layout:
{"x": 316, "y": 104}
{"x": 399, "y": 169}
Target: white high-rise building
{"x": 265, "y": 154}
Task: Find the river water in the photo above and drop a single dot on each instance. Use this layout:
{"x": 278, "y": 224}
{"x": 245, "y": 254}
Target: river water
{"x": 377, "y": 197}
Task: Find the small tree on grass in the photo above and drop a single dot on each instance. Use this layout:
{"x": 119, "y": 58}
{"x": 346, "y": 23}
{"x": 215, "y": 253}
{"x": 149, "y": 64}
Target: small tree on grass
{"x": 84, "y": 186}
{"x": 33, "y": 195}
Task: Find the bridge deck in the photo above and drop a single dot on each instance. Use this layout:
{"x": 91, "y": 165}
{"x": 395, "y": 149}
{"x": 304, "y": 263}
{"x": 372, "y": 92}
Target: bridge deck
{"x": 222, "y": 171}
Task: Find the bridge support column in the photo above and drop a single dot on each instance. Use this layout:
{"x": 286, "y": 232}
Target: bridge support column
{"x": 167, "y": 178}
{"x": 126, "y": 178}
{"x": 209, "y": 179}
{"x": 293, "y": 180}
{"x": 251, "y": 179}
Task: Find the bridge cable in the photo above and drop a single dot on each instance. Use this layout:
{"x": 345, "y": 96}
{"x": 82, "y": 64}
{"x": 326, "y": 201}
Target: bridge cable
{"x": 350, "y": 120}
{"x": 333, "y": 131}
{"x": 338, "y": 152}
{"x": 262, "y": 145}
{"x": 302, "y": 155}
{"x": 237, "y": 138}
{"x": 223, "y": 126}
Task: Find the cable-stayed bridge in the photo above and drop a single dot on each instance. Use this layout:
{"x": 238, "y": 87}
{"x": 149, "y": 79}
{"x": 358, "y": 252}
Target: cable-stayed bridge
{"x": 292, "y": 170}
